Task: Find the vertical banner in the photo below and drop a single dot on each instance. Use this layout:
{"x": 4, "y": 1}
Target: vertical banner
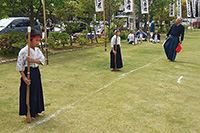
{"x": 188, "y": 8}
{"x": 128, "y": 5}
{"x": 199, "y": 8}
{"x": 194, "y": 8}
{"x": 171, "y": 10}
{"x": 144, "y": 6}
{"x": 99, "y": 5}
{"x": 179, "y": 10}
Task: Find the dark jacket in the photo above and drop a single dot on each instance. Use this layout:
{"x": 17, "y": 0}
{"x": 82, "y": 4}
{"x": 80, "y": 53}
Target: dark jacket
{"x": 157, "y": 36}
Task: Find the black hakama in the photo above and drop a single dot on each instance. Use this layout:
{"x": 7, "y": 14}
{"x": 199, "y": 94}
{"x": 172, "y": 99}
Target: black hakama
{"x": 119, "y": 58}
{"x": 36, "y": 93}
{"x": 170, "y": 46}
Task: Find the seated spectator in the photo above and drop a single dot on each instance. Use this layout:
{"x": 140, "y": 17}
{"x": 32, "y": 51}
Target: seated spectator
{"x": 156, "y": 37}
{"x": 131, "y": 38}
{"x": 141, "y": 35}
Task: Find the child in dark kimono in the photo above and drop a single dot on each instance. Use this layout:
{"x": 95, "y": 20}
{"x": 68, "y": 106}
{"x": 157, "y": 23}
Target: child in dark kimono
{"x": 36, "y": 58}
{"x": 116, "y": 40}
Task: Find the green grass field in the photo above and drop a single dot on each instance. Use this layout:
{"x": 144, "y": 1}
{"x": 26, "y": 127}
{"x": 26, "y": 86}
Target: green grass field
{"x": 83, "y": 95}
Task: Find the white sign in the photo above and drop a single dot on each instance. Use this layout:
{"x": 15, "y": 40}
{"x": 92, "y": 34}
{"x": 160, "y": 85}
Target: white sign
{"x": 199, "y": 8}
{"x": 188, "y": 8}
{"x": 179, "y": 10}
{"x": 194, "y": 8}
{"x": 99, "y": 5}
{"x": 144, "y": 6}
{"x": 171, "y": 10}
{"x": 128, "y": 5}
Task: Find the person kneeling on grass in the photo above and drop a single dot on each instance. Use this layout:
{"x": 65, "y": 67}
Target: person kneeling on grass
{"x": 156, "y": 37}
{"x": 116, "y": 51}
{"x": 141, "y": 35}
{"x": 36, "y": 94}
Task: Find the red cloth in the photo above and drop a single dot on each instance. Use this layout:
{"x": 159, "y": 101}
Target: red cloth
{"x": 178, "y": 49}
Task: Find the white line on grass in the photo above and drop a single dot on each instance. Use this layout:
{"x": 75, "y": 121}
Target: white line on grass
{"x": 82, "y": 99}
{"x": 179, "y": 79}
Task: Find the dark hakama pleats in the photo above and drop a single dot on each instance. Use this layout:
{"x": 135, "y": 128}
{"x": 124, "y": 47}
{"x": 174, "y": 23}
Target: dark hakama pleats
{"x": 36, "y": 94}
{"x": 119, "y": 58}
{"x": 170, "y": 47}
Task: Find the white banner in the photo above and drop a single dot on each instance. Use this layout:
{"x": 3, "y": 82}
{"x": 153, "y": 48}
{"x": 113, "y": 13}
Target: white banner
{"x": 128, "y": 5}
{"x": 99, "y": 5}
{"x": 171, "y": 10}
{"x": 199, "y": 8}
{"x": 188, "y": 8}
{"x": 179, "y": 10}
{"x": 144, "y": 6}
{"x": 194, "y": 8}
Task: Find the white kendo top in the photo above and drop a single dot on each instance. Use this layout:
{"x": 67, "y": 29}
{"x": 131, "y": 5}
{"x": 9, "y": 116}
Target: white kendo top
{"x": 36, "y": 54}
{"x": 131, "y": 37}
{"x": 113, "y": 41}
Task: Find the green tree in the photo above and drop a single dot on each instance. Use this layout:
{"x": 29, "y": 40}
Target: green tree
{"x": 87, "y": 14}
{"x": 111, "y": 7}
{"x": 68, "y": 15}
{"x": 27, "y": 8}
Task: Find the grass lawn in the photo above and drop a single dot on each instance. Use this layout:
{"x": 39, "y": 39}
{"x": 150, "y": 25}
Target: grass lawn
{"x": 146, "y": 99}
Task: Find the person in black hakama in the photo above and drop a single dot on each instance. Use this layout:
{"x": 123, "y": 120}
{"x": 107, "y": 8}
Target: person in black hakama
{"x": 36, "y": 94}
{"x": 116, "y": 40}
{"x": 173, "y": 41}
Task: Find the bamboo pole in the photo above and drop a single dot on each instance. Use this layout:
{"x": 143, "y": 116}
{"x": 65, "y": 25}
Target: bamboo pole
{"x": 104, "y": 21}
{"x": 28, "y": 117}
{"x": 115, "y": 49}
{"x": 45, "y": 32}
{"x": 134, "y": 27}
{"x": 148, "y": 21}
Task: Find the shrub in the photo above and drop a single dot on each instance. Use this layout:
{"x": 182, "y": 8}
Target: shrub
{"x": 84, "y": 34}
{"x": 123, "y": 35}
{"x": 82, "y": 41}
{"x": 12, "y": 42}
{"x": 56, "y": 38}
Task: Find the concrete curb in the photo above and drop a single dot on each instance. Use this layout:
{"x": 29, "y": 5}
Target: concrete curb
{"x": 52, "y": 53}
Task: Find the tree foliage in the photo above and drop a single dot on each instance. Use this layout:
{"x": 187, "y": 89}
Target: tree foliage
{"x": 27, "y": 8}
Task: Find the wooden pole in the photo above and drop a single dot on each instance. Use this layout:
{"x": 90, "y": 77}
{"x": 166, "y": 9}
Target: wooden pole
{"x": 115, "y": 49}
{"x": 45, "y": 32}
{"x": 28, "y": 117}
{"x": 148, "y": 21}
{"x": 104, "y": 21}
{"x": 134, "y": 27}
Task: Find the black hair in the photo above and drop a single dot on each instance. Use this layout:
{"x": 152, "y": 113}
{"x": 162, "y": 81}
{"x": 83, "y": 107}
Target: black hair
{"x": 34, "y": 33}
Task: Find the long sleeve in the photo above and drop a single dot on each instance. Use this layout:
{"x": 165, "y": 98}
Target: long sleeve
{"x": 145, "y": 35}
{"x": 41, "y": 57}
{"x": 182, "y": 34}
{"x": 169, "y": 32}
{"x": 158, "y": 36}
{"x": 21, "y": 61}
{"x": 112, "y": 42}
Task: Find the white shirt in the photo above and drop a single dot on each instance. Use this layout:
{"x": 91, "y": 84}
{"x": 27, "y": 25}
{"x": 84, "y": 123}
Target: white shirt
{"x": 36, "y": 54}
{"x": 113, "y": 40}
{"x": 141, "y": 35}
{"x": 131, "y": 37}
{"x": 155, "y": 37}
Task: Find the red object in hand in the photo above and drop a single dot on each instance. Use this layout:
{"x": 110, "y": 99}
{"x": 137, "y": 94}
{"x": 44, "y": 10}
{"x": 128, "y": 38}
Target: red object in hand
{"x": 178, "y": 49}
